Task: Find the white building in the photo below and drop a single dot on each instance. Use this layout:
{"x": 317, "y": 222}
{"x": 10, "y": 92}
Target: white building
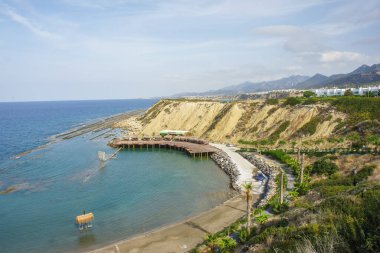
{"x": 324, "y": 92}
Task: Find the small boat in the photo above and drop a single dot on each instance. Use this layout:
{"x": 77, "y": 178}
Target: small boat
{"x": 84, "y": 221}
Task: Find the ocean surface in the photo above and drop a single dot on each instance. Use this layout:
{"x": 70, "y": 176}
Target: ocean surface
{"x": 138, "y": 191}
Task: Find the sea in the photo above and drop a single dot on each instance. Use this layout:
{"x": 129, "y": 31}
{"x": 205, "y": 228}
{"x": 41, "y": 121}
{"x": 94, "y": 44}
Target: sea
{"x": 42, "y": 191}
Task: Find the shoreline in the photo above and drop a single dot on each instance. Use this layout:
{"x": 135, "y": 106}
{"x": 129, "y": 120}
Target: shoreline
{"x": 99, "y": 124}
{"x": 167, "y": 238}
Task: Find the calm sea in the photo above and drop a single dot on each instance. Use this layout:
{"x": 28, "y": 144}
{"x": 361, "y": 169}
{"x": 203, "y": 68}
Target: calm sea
{"x": 138, "y": 191}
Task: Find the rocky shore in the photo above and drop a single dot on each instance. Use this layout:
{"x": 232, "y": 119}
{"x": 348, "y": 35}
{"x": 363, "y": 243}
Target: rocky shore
{"x": 229, "y": 167}
{"x": 270, "y": 171}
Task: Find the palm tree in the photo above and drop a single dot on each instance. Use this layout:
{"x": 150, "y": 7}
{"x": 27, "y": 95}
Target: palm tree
{"x": 212, "y": 242}
{"x": 248, "y": 195}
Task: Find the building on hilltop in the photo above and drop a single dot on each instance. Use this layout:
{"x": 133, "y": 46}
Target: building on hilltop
{"x": 361, "y": 91}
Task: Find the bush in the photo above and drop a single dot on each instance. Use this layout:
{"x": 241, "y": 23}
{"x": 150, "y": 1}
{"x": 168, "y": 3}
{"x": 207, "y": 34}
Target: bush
{"x": 276, "y": 134}
{"x": 310, "y": 127}
{"x": 309, "y": 93}
{"x": 272, "y": 101}
{"x": 348, "y": 93}
{"x": 292, "y": 101}
{"x": 324, "y": 166}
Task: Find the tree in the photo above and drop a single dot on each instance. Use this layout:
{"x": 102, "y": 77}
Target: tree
{"x": 212, "y": 242}
{"x": 248, "y": 195}
{"x": 309, "y": 93}
{"x": 348, "y": 93}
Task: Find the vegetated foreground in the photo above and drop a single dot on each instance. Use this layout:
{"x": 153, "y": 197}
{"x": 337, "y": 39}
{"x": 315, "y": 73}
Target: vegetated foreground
{"x": 329, "y": 212}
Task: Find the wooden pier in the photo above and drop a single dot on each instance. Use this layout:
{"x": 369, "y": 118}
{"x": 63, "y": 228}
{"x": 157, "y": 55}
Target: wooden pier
{"x": 193, "y": 149}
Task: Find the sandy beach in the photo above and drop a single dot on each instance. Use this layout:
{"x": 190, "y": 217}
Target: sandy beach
{"x": 185, "y": 235}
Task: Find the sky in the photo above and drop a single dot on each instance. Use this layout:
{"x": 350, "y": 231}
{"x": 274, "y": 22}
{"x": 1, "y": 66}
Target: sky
{"x": 113, "y": 49}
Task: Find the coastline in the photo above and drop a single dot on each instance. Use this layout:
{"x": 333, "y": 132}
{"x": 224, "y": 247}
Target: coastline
{"x": 184, "y": 235}
{"x": 95, "y": 126}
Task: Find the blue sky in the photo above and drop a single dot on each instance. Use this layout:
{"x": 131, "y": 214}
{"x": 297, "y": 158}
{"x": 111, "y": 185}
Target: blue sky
{"x": 104, "y": 49}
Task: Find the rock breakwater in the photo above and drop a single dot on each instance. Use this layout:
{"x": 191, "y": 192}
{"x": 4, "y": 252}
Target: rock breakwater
{"x": 228, "y": 166}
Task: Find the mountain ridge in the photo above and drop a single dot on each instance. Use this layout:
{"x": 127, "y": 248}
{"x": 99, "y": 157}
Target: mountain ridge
{"x": 362, "y": 75}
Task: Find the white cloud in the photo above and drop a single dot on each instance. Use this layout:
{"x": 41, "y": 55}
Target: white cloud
{"x": 342, "y": 56}
{"x": 33, "y": 27}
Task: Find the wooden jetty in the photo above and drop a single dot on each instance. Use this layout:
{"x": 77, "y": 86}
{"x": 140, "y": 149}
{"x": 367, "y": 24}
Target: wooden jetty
{"x": 191, "y": 148}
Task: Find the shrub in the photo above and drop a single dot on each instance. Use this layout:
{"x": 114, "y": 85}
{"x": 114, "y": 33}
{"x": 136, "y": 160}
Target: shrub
{"x": 310, "y": 127}
{"x": 363, "y": 174}
{"x": 309, "y": 93}
{"x": 324, "y": 166}
{"x": 292, "y": 101}
{"x": 276, "y": 134}
{"x": 348, "y": 93}
{"x": 272, "y": 101}
{"x": 272, "y": 110}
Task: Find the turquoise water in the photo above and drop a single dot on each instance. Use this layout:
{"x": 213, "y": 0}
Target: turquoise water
{"x": 138, "y": 191}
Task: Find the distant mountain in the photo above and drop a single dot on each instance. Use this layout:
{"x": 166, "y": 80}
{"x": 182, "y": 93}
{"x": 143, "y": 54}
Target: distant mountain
{"x": 248, "y": 87}
{"x": 363, "y": 75}
{"x": 312, "y": 81}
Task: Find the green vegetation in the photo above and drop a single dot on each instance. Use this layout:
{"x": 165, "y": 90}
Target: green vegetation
{"x": 284, "y": 158}
{"x": 276, "y": 134}
{"x": 272, "y": 101}
{"x": 220, "y": 116}
{"x": 272, "y": 110}
{"x": 309, "y": 93}
{"x": 358, "y": 108}
{"x": 310, "y": 127}
{"x": 338, "y": 214}
{"x": 348, "y": 93}
{"x": 324, "y": 166}
{"x": 292, "y": 101}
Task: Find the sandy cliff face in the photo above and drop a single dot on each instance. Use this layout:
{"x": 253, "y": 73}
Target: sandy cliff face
{"x": 230, "y": 122}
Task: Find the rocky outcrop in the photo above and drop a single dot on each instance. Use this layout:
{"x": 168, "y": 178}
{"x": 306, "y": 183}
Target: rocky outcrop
{"x": 228, "y": 166}
{"x": 270, "y": 171}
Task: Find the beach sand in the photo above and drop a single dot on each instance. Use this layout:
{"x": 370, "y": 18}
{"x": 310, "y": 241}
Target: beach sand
{"x": 185, "y": 235}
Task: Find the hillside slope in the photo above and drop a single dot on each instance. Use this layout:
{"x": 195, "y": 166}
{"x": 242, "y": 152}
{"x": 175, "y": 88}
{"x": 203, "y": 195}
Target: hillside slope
{"x": 231, "y": 122}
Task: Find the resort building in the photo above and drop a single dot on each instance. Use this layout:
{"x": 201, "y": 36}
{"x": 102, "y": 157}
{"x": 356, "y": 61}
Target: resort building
{"x": 361, "y": 91}
{"x": 173, "y": 132}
